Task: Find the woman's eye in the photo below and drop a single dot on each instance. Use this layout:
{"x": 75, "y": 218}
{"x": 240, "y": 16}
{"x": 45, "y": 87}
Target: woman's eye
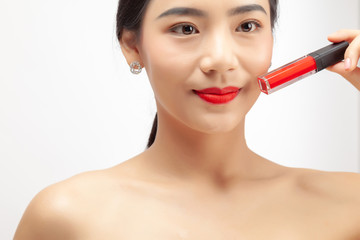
{"x": 184, "y": 29}
{"x": 249, "y": 26}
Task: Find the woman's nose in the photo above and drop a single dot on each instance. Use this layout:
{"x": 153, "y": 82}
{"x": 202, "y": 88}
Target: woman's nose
{"x": 218, "y": 54}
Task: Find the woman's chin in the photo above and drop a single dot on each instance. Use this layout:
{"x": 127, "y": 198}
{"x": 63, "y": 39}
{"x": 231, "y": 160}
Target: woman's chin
{"x": 217, "y": 127}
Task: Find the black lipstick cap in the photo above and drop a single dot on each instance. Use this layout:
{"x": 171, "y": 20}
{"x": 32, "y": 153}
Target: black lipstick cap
{"x": 329, "y": 55}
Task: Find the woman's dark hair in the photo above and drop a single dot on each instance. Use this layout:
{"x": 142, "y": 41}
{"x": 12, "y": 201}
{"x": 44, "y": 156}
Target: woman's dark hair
{"x": 129, "y": 16}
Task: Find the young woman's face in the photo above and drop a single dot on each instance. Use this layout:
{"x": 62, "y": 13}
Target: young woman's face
{"x": 187, "y": 46}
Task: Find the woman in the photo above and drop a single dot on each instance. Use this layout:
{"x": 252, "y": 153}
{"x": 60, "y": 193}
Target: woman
{"x": 198, "y": 179}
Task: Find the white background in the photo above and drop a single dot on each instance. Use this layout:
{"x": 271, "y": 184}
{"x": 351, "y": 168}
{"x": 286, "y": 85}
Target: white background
{"x": 69, "y": 104}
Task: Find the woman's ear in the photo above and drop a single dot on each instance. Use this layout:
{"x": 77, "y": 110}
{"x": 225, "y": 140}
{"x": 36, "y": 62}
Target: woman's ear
{"x": 129, "y": 47}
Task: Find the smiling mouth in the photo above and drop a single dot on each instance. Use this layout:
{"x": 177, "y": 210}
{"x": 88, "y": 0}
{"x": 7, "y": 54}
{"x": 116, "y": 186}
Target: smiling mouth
{"x": 217, "y": 95}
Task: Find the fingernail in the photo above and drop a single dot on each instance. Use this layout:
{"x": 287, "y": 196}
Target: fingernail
{"x": 347, "y": 63}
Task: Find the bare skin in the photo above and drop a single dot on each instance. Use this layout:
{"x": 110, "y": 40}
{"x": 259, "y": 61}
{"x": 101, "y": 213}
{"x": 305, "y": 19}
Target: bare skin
{"x": 130, "y": 202}
{"x": 199, "y": 180}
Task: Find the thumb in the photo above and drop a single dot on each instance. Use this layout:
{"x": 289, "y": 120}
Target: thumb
{"x": 338, "y": 68}
{"x": 352, "y": 76}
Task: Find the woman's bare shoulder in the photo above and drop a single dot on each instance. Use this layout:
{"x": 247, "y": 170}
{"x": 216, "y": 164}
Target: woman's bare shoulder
{"x": 59, "y": 211}
{"x": 342, "y": 186}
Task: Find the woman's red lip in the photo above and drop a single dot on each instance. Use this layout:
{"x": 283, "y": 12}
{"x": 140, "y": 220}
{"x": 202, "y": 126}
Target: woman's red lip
{"x": 217, "y": 95}
{"x": 218, "y": 91}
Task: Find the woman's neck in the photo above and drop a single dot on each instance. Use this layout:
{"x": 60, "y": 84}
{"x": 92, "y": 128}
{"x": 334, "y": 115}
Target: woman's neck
{"x": 185, "y": 153}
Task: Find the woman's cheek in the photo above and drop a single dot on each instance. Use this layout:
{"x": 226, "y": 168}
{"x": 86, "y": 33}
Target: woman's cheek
{"x": 167, "y": 71}
{"x": 259, "y": 60}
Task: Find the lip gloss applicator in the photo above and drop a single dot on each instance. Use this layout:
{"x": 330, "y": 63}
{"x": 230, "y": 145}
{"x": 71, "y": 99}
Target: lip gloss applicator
{"x": 305, "y": 66}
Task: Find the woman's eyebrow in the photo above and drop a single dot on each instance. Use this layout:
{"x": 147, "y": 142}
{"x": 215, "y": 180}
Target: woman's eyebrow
{"x": 245, "y": 9}
{"x": 185, "y": 11}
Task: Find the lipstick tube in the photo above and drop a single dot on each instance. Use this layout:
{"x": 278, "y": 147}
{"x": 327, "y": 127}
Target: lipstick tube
{"x": 303, "y": 67}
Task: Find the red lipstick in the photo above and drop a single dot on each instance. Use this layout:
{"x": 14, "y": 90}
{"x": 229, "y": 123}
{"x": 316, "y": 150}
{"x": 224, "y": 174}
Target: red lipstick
{"x": 305, "y": 66}
{"x": 217, "y": 95}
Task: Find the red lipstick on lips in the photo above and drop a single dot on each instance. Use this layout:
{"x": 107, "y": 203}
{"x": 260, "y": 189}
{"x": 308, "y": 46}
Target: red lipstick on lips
{"x": 218, "y": 95}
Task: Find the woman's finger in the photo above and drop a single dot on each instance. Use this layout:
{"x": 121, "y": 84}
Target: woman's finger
{"x": 344, "y": 35}
{"x": 352, "y": 53}
{"x": 353, "y": 77}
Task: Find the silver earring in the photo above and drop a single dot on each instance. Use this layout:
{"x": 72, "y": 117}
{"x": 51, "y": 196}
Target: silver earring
{"x": 135, "y": 67}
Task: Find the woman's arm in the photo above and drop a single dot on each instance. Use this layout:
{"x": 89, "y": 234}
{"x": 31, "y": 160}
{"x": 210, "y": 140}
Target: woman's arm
{"x": 348, "y": 68}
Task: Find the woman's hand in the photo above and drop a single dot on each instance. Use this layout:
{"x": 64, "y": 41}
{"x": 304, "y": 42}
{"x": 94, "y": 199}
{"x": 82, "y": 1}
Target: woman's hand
{"x": 348, "y": 68}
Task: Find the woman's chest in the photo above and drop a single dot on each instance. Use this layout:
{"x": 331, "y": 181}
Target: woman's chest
{"x": 269, "y": 220}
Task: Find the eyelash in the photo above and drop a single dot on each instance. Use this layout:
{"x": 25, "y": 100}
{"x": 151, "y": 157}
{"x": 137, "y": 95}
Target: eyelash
{"x": 256, "y": 24}
{"x": 181, "y": 26}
